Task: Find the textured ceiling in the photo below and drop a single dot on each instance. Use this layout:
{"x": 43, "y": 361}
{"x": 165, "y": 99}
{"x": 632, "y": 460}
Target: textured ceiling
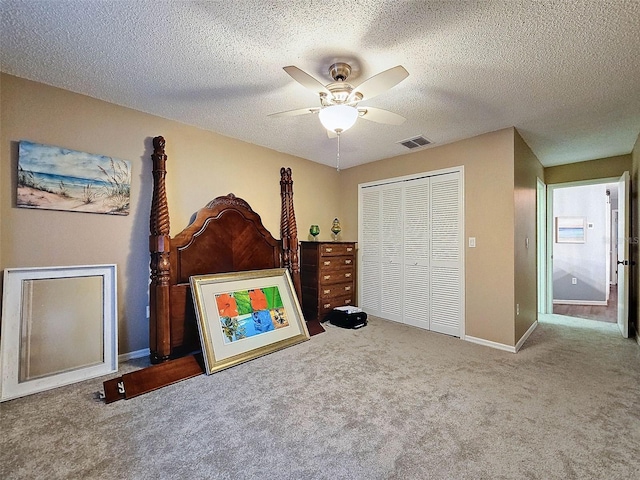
{"x": 565, "y": 73}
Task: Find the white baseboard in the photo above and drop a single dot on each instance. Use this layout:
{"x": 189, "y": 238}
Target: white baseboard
{"x": 580, "y": 302}
{"x": 489, "y": 343}
{"x": 502, "y": 346}
{"x": 526, "y": 335}
{"x": 131, "y": 355}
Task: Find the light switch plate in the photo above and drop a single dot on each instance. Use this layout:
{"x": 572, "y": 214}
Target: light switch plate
{"x": 472, "y": 242}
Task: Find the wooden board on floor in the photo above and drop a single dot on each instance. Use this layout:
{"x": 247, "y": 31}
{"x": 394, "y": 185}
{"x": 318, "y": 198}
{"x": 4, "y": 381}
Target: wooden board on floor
{"x": 145, "y": 380}
{"x": 314, "y": 327}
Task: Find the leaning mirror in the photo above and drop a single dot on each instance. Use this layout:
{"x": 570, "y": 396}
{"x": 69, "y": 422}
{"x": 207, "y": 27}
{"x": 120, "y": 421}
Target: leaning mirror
{"x": 59, "y": 326}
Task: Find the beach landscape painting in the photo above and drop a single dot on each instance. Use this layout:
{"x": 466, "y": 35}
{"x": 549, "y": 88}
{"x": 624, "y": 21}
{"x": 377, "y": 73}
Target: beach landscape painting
{"x": 55, "y": 178}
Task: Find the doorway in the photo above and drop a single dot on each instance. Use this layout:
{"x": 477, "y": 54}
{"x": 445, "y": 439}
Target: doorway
{"x": 583, "y": 237}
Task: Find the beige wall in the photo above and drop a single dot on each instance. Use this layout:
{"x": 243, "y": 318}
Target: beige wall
{"x": 591, "y": 170}
{"x": 499, "y": 177}
{"x": 527, "y": 170}
{"x": 489, "y": 216}
{"x": 201, "y": 165}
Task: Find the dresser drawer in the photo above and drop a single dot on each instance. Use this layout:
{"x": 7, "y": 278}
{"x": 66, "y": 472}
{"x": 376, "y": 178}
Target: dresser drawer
{"x": 339, "y": 289}
{"x": 328, "y": 263}
{"x": 336, "y": 276}
{"x": 336, "y": 249}
{"x": 327, "y": 305}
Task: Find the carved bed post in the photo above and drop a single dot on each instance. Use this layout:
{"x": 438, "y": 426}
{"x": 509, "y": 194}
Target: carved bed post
{"x": 289, "y": 230}
{"x": 159, "y": 247}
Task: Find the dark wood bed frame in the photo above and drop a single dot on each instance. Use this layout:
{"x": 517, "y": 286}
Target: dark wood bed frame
{"x": 226, "y": 236}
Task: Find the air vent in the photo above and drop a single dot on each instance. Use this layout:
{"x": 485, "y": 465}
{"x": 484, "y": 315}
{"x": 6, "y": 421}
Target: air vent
{"x": 415, "y": 142}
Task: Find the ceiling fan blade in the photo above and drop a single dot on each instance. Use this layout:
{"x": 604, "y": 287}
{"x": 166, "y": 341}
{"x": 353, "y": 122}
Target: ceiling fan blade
{"x": 379, "y": 83}
{"x": 293, "y": 113}
{"x": 306, "y": 80}
{"x": 379, "y": 115}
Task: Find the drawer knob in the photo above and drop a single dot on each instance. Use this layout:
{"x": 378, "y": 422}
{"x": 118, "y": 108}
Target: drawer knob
{"x": 326, "y": 292}
{"x": 349, "y": 249}
{"x": 348, "y": 262}
{"x": 327, "y": 277}
{"x": 347, "y": 302}
{"x": 347, "y": 288}
{"x": 328, "y": 262}
{"x": 329, "y": 250}
{"x": 347, "y": 275}
{"x": 327, "y": 305}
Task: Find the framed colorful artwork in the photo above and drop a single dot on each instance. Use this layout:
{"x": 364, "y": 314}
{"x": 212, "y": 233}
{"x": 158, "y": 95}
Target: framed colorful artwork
{"x": 59, "y": 326}
{"x": 244, "y": 315}
{"x": 55, "y": 178}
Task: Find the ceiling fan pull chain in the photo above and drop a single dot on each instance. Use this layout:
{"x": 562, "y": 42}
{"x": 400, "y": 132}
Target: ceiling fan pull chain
{"x": 338, "y": 159}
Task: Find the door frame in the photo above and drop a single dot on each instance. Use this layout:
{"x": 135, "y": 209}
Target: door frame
{"x": 541, "y": 254}
{"x": 549, "y": 230}
{"x": 623, "y": 260}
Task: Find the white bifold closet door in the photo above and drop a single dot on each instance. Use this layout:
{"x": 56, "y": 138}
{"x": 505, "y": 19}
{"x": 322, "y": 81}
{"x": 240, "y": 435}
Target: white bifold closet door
{"x": 411, "y": 251}
{"x": 391, "y": 258}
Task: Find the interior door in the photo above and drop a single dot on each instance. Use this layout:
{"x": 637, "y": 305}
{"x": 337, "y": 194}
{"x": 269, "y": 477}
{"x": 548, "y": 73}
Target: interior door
{"x": 446, "y": 254}
{"x": 623, "y": 254}
{"x": 369, "y": 287}
{"x": 391, "y": 249}
{"x": 411, "y": 265}
{"x": 417, "y": 245}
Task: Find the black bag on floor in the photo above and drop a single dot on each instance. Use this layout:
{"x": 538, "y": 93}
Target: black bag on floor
{"x": 344, "y": 319}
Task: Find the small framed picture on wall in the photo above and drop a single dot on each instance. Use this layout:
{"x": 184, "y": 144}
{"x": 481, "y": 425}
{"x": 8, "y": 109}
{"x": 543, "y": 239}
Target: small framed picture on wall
{"x": 570, "y": 229}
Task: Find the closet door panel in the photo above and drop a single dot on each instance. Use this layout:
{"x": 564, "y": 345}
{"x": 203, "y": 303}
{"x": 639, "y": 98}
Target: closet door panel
{"x": 417, "y": 296}
{"x": 391, "y": 222}
{"x": 445, "y": 301}
{"x": 369, "y": 287}
{"x": 416, "y": 253}
{"x": 446, "y": 254}
{"x": 391, "y": 298}
{"x": 391, "y": 244}
{"x": 369, "y": 251}
{"x": 411, "y": 257}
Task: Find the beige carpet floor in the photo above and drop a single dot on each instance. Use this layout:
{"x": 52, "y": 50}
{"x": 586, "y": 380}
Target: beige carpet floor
{"x": 384, "y": 402}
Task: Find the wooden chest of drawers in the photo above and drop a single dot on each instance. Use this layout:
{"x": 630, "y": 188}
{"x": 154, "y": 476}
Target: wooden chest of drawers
{"x": 328, "y": 276}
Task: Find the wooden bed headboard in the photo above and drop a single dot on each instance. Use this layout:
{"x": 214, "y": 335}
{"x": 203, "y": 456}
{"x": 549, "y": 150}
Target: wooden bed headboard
{"x": 226, "y": 236}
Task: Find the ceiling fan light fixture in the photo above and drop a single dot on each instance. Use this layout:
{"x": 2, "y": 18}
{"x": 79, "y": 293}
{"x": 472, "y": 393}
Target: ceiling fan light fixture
{"x": 338, "y": 118}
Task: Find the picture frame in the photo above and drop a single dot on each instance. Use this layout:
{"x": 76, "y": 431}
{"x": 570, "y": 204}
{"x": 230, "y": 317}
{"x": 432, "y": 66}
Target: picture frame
{"x": 245, "y": 315}
{"x": 571, "y": 229}
{"x": 59, "y": 326}
{"x": 56, "y": 178}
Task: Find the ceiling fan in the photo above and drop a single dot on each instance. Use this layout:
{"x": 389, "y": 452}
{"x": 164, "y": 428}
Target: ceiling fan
{"x": 339, "y": 110}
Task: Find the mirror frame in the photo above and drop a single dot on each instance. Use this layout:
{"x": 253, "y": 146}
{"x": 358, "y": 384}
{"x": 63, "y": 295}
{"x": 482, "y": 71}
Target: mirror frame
{"x": 13, "y": 318}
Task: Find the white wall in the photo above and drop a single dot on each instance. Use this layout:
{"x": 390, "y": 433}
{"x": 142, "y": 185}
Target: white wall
{"x": 587, "y": 262}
